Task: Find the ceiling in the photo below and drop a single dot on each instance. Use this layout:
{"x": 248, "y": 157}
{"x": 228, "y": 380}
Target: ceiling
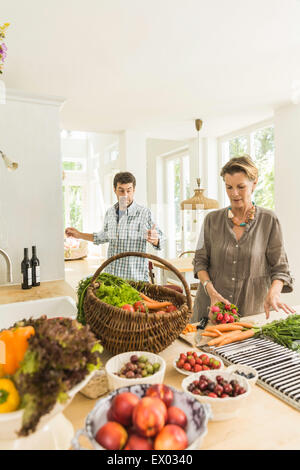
{"x": 155, "y": 65}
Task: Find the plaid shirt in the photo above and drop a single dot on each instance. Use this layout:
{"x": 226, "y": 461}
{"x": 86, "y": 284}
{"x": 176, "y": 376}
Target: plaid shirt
{"x": 128, "y": 234}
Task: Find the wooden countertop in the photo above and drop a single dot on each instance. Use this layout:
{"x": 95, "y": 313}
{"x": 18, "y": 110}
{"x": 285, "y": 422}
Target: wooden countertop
{"x": 264, "y": 422}
{"x": 184, "y": 265}
{"x": 14, "y": 293}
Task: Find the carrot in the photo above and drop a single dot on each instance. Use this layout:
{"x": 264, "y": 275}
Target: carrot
{"x": 239, "y": 336}
{"x": 219, "y": 339}
{"x": 225, "y": 327}
{"x": 144, "y": 297}
{"x": 211, "y": 334}
{"x": 156, "y": 305}
{"x": 244, "y": 324}
{"x": 218, "y": 332}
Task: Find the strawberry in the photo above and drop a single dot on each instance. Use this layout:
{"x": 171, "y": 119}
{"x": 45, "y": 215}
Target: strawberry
{"x": 197, "y": 368}
{"x": 187, "y": 366}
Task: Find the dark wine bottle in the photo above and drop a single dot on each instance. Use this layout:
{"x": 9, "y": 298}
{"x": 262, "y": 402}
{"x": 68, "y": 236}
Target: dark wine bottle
{"x": 35, "y": 263}
{"x": 26, "y": 271}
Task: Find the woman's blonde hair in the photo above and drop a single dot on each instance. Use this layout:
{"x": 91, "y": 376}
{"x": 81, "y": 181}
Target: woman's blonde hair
{"x": 243, "y": 163}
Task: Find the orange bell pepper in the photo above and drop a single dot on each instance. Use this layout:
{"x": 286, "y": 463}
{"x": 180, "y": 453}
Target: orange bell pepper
{"x": 16, "y": 344}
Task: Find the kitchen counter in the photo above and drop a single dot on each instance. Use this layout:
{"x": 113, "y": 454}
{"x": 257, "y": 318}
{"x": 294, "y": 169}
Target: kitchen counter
{"x": 14, "y": 293}
{"x": 264, "y": 422}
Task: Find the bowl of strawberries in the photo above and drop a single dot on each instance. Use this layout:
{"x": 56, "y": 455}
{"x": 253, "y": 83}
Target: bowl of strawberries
{"x": 195, "y": 361}
{"x": 224, "y": 313}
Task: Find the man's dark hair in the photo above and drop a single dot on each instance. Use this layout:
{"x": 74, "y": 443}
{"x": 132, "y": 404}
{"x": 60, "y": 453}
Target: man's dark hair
{"x": 124, "y": 177}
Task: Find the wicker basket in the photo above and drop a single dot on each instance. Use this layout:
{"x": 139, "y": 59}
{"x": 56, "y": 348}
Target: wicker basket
{"x": 120, "y": 330}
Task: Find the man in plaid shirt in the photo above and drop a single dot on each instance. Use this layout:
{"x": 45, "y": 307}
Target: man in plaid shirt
{"x": 127, "y": 227}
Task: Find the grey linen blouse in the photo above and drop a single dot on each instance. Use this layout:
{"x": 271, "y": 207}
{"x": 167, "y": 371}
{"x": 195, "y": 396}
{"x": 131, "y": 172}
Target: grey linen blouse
{"x": 241, "y": 271}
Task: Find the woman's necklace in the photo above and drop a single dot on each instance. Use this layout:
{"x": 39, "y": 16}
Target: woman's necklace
{"x": 249, "y": 216}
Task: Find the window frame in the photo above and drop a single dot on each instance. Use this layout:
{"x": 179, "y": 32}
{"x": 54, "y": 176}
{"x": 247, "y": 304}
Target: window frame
{"x": 162, "y": 196}
{"x": 245, "y": 131}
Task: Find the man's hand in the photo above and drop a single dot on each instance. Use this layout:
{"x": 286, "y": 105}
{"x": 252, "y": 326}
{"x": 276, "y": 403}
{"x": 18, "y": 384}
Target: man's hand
{"x": 72, "y": 232}
{"x": 152, "y": 236}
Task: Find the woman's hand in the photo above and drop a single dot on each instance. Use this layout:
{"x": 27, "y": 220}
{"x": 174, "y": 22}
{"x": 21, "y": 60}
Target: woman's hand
{"x": 214, "y": 298}
{"x": 273, "y": 302}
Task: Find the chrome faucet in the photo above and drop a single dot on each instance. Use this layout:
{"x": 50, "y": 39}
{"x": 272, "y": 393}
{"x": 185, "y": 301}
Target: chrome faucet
{"x": 8, "y": 264}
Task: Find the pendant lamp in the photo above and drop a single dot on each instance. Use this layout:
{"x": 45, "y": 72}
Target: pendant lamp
{"x": 198, "y": 201}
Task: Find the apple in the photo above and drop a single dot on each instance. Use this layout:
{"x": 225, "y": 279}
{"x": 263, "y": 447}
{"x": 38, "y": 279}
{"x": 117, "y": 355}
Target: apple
{"x": 110, "y": 415}
{"x": 128, "y": 307}
{"x": 112, "y": 436}
{"x": 176, "y": 416}
{"x": 122, "y": 407}
{"x": 171, "y": 437}
{"x": 161, "y": 391}
{"x": 139, "y": 307}
{"x": 136, "y": 442}
{"x": 149, "y": 416}
{"x": 171, "y": 308}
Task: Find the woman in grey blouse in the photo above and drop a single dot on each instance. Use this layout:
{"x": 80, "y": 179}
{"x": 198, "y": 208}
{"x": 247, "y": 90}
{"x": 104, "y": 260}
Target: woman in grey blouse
{"x": 240, "y": 257}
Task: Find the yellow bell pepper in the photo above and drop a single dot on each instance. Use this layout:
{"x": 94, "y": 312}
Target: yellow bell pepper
{"x": 9, "y": 396}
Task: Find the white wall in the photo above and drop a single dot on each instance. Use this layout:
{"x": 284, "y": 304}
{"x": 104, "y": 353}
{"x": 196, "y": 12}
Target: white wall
{"x": 287, "y": 187}
{"x": 133, "y": 158}
{"x": 31, "y": 197}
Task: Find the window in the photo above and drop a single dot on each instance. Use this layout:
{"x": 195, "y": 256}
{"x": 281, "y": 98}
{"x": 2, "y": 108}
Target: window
{"x": 259, "y": 144}
{"x": 74, "y": 164}
{"x": 176, "y": 183}
{"x": 112, "y": 153}
{"x": 73, "y": 206}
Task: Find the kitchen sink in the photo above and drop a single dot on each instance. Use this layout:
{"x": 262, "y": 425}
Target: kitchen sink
{"x": 51, "y": 307}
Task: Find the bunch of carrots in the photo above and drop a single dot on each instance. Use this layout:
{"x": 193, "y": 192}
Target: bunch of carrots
{"x": 228, "y": 333}
{"x": 156, "y": 305}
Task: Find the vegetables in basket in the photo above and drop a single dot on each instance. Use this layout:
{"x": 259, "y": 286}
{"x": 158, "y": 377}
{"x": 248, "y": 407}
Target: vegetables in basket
{"x": 116, "y": 291}
{"x": 60, "y": 354}
{"x": 113, "y": 290}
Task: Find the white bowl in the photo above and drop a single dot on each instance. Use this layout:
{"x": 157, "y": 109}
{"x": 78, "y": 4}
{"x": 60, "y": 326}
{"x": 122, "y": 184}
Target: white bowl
{"x": 10, "y": 423}
{"x": 117, "y": 362}
{"x": 246, "y": 370}
{"x": 197, "y": 414}
{"x": 186, "y": 372}
{"x": 222, "y": 408}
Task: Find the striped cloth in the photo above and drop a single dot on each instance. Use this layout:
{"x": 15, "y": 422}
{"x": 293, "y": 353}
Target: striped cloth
{"x": 129, "y": 233}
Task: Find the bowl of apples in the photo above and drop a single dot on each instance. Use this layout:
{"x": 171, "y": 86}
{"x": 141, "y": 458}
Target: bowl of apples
{"x": 145, "y": 417}
{"x": 195, "y": 361}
